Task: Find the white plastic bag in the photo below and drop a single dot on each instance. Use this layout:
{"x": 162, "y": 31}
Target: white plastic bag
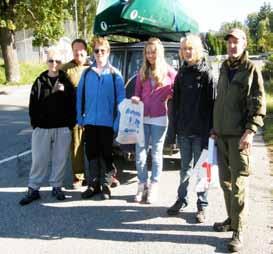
{"x": 131, "y": 130}
{"x": 212, "y": 152}
{"x": 201, "y": 172}
{"x": 213, "y": 161}
{"x": 206, "y": 173}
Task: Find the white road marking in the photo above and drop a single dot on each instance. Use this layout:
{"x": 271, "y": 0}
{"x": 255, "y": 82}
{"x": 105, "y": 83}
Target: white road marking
{"x": 15, "y": 156}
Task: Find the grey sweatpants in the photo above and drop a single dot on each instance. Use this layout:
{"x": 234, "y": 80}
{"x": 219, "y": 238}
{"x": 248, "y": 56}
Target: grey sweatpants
{"x": 49, "y": 145}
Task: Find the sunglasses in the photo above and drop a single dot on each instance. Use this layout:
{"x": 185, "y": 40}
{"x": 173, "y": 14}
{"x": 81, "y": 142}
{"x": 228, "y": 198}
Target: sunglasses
{"x": 99, "y": 50}
{"x": 56, "y": 61}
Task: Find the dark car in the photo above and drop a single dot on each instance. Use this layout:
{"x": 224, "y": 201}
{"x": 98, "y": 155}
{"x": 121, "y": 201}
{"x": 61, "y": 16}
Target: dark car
{"x": 128, "y": 57}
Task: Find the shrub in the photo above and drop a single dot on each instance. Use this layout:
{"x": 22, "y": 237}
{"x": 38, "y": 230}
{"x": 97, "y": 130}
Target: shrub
{"x": 268, "y": 68}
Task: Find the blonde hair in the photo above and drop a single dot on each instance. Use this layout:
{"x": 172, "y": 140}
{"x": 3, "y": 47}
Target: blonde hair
{"x": 100, "y": 41}
{"x": 159, "y": 72}
{"x": 195, "y": 42}
{"x": 54, "y": 52}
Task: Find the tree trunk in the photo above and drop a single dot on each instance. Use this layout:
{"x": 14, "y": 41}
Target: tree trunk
{"x": 84, "y": 20}
{"x": 7, "y": 41}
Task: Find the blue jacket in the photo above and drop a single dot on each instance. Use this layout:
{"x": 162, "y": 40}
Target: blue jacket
{"x": 99, "y": 95}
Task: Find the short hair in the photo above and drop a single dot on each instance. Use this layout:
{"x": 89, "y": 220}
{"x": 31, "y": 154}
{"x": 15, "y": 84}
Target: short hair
{"x": 195, "y": 42}
{"x": 101, "y": 41}
{"x": 78, "y": 40}
{"x": 54, "y": 52}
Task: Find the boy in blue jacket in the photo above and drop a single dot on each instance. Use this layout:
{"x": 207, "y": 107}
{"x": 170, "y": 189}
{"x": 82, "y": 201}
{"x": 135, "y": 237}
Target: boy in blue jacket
{"x": 100, "y": 90}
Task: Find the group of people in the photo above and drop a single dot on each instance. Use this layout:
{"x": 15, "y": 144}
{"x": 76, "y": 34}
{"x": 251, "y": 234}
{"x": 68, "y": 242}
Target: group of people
{"x": 77, "y": 104}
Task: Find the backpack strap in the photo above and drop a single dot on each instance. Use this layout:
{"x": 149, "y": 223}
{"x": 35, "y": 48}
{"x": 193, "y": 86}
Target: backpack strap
{"x": 115, "y": 111}
{"x": 83, "y": 91}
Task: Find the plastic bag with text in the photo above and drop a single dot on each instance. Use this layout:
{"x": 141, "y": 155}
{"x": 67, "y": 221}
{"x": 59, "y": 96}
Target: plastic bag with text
{"x": 131, "y": 129}
{"x": 207, "y": 174}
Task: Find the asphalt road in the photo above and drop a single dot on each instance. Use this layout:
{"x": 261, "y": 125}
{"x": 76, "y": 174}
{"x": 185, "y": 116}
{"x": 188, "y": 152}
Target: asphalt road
{"x": 117, "y": 225}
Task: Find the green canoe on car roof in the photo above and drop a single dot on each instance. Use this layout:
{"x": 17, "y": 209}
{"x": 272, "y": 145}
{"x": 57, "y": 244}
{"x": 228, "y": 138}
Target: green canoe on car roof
{"x": 165, "y": 19}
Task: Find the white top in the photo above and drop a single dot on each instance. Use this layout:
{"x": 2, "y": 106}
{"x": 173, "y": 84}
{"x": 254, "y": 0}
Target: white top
{"x": 159, "y": 121}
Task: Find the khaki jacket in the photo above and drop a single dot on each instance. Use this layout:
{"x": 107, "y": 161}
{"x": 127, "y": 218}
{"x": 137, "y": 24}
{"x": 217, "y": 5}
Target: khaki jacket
{"x": 74, "y": 71}
{"x": 240, "y": 103}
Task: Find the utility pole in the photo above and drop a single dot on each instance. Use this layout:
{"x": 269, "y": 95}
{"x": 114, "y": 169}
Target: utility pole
{"x": 76, "y": 18}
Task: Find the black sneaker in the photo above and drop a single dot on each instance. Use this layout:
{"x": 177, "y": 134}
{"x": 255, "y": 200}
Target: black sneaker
{"x": 90, "y": 192}
{"x": 222, "y": 226}
{"x": 58, "y": 193}
{"x": 176, "y": 207}
{"x": 236, "y": 243}
{"x": 30, "y": 197}
{"x": 106, "y": 192}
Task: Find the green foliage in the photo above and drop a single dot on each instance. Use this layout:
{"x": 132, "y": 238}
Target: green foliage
{"x": 269, "y": 95}
{"x": 260, "y": 27}
{"x": 265, "y": 11}
{"x": 268, "y": 69}
{"x": 29, "y": 72}
{"x": 225, "y": 27}
{"x": 216, "y": 44}
{"x": 86, "y": 17}
{"x": 44, "y": 17}
{"x": 268, "y": 130}
{"x": 2, "y": 72}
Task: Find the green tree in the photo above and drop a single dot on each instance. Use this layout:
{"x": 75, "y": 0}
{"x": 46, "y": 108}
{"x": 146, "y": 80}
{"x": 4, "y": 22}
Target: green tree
{"x": 7, "y": 39}
{"x": 260, "y": 27}
{"x": 210, "y": 43}
{"x": 86, "y": 11}
{"x": 226, "y": 26}
{"x": 270, "y": 17}
{"x": 216, "y": 44}
{"x": 265, "y": 11}
{"x": 263, "y": 35}
{"x": 252, "y": 22}
{"x": 45, "y": 18}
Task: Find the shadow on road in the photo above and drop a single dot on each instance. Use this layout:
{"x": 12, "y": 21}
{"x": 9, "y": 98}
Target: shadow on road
{"x": 51, "y": 221}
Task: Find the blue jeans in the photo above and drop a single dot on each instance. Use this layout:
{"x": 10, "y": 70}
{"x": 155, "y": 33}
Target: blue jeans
{"x": 154, "y": 135}
{"x": 190, "y": 151}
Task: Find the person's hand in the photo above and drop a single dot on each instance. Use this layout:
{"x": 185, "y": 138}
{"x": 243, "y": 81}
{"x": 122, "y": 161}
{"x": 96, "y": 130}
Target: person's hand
{"x": 246, "y": 140}
{"x": 135, "y": 99}
{"x": 212, "y": 134}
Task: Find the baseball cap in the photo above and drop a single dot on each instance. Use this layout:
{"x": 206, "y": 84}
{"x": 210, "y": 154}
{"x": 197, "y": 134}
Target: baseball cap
{"x": 237, "y": 33}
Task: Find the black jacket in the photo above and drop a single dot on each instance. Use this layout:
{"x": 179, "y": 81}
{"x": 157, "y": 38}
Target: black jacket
{"x": 49, "y": 108}
{"x": 193, "y": 100}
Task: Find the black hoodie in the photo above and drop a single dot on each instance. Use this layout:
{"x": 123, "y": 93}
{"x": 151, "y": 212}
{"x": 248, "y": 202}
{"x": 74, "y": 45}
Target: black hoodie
{"x": 49, "y": 108}
{"x": 193, "y": 100}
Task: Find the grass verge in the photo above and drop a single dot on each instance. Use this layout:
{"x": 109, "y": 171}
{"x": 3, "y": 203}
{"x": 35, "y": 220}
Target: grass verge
{"x": 28, "y": 71}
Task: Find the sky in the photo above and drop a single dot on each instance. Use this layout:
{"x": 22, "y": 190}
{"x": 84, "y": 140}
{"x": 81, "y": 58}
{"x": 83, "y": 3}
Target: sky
{"x": 210, "y": 14}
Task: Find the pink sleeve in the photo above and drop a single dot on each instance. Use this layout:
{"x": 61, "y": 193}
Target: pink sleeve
{"x": 138, "y": 87}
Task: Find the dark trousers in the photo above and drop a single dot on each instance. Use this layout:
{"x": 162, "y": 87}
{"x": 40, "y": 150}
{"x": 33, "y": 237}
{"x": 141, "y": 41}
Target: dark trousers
{"x": 98, "y": 148}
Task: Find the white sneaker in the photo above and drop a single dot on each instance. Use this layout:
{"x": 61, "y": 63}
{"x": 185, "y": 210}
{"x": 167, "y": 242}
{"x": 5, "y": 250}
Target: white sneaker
{"x": 140, "y": 191}
{"x": 152, "y": 193}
